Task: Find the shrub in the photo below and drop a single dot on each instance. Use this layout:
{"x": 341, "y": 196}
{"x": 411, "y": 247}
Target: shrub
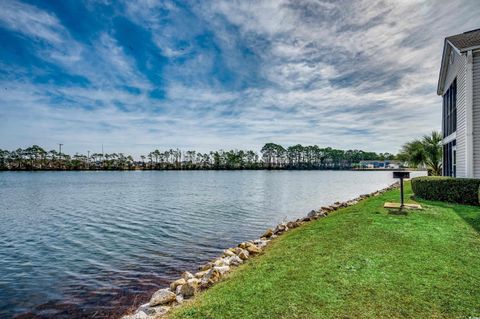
{"x": 447, "y": 189}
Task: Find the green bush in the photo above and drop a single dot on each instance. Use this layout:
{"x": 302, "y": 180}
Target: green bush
{"x": 447, "y": 189}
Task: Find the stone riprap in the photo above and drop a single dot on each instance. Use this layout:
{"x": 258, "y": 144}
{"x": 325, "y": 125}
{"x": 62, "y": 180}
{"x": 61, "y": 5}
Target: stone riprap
{"x": 163, "y": 300}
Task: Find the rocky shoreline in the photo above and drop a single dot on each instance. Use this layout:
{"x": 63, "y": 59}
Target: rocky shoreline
{"x": 165, "y": 299}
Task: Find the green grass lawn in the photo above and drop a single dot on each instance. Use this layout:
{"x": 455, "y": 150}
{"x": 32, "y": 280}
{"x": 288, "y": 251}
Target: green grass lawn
{"x": 359, "y": 262}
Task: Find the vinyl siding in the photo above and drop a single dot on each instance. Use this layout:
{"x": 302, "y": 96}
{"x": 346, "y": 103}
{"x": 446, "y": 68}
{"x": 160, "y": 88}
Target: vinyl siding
{"x": 458, "y": 70}
{"x": 476, "y": 114}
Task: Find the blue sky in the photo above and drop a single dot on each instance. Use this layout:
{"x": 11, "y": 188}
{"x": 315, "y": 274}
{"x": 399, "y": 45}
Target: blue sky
{"x": 140, "y": 75}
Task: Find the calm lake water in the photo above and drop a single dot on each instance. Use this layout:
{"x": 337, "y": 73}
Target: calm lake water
{"x": 91, "y": 244}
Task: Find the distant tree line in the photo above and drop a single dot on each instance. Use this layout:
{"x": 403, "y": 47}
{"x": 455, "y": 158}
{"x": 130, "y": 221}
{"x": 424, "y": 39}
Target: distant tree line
{"x": 315, "y": 157}
{"x": 272, "y": 156}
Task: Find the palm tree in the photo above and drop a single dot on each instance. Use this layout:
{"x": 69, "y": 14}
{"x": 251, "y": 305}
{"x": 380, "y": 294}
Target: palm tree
{"x": 427, "y": 152}
{"x": 433, "y": 151}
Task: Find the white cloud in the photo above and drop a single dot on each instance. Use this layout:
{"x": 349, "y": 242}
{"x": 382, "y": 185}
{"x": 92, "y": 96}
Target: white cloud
{"x": 349, "y": 74}
{"x": 29, "y": 21}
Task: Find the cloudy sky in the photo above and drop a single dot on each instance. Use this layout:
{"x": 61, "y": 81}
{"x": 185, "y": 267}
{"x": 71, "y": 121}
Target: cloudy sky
{"x": 140, "y": 75}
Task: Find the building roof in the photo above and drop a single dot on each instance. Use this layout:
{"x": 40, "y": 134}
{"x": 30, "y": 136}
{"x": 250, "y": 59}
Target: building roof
{"x": 466, "y": 40}
{"x": 460, "y": 43}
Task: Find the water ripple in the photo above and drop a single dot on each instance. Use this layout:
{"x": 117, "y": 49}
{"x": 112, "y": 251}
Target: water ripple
{"x": 76, "y": 244}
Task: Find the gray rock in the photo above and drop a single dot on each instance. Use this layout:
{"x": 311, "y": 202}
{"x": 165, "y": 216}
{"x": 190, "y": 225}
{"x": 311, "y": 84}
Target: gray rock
{"x": 235, "y": 260}
{"x": 149, "y": 311}
{"x": 260, "y": 243}
{"x": 312, "y": 213}
{"x": 268, "y": 233}
{"x": 280, "y": 229}
{"x": 253, "y": 249}
{"x": 190, "y": 288}
{"x": 162, "y": 297}
{"x": 244, "y": 254}
{"x": 228, "y": 253}
{"x": 177, "y": 283}
{"x": 222, "y": 270}
{"x": 211, "y": 277}
{"x": 161, "y": 310}
{"x": 152, "y": 311}
{"x": 292, "y": 225}
{"x": 221, "y": 262}
{"x": 136, "y": 315}
{"x": 187, "y": 275}
{"x": 178, "y": 290}
{"x": 200, "y": 274}
{"x": 207, "y": 266}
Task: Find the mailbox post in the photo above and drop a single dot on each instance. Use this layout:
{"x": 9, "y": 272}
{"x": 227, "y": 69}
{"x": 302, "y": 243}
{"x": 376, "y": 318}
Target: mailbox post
{"x": 401, "y": 176}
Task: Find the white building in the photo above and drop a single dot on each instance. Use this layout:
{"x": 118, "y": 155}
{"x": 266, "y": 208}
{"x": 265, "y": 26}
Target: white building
{"x": 459, "y": 85}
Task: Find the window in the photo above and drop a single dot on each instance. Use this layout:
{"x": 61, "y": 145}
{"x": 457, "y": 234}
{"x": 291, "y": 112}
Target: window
{"x": 454, "y": 160}
{"x": 450, "y": 159}
{"x": 450, "y": 110}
